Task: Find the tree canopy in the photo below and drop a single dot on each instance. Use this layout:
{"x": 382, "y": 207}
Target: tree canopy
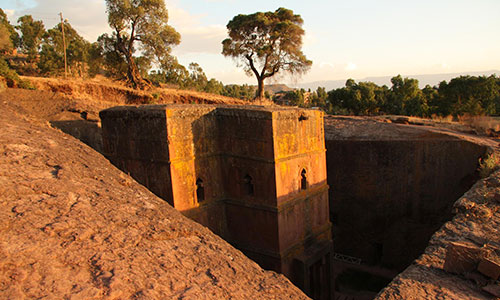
{"x": 266, "y": 43}
{"x": 464, "y": 95}
{"x": 32, "y": 33}
{"x": 5, "y": 41}
{"x": 7, "y": 31}
{"x": 141, "y": 25}
{"x": 52, "y": 54}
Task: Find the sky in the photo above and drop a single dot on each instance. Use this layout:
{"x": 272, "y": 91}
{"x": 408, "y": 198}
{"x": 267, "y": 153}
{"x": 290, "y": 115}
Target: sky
{"x": 344, "y": 39}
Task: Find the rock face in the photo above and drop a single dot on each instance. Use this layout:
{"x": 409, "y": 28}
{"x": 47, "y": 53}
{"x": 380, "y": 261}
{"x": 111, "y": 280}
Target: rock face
{"x": 455, "y": 247}
{"x": 392, "y": 186}
{"x": 72, "y": 226}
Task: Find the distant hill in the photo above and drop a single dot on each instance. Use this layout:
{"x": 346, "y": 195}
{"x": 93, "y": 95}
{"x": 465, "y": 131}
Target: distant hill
{"x": 274, "y": 88}
{"x": 430, "y": 79}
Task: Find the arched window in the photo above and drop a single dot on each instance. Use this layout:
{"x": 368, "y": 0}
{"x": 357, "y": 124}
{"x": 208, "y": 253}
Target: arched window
{"x": 200, "y": 190}
{"x": 248, "y": 185}
{"x": 303, "y": 179}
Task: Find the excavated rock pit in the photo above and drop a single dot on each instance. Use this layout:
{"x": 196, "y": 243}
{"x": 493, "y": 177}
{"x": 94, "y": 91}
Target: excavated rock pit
{"x": 391, "y": 187}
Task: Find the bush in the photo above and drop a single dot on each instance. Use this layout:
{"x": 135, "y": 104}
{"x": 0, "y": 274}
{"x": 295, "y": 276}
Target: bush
{"x": 489, "y": 164}
{"x": 12, "y": 78}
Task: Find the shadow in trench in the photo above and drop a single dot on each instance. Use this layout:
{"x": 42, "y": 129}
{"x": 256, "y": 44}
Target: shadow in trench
{"x": 88, "y": 132}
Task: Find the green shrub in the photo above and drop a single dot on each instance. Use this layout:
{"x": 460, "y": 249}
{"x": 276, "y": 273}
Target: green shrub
{"x": 489, "y": 164}
{"x": 13, "y": 79}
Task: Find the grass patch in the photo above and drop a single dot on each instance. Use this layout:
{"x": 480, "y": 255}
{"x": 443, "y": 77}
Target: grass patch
{"x": 489, "y": 164}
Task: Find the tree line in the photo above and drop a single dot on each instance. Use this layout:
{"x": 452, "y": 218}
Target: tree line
{"x": 473, "y": 95}
{"x": 138, "y": 51}
{"x": 138, "y": 48}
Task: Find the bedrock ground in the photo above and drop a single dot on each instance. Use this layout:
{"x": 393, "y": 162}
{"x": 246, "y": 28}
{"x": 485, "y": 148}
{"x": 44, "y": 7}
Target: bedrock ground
{"x": 73, "y": 226}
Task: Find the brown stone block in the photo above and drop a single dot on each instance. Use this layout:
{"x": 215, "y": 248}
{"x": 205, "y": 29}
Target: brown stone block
{"x": 319, "y": 215}
{"x": 205, "y": 146}
{"x": 210, "y": 128}
{"x": 235, "y": 170}
{"x": 180, "y": 132}
{"x": 245, "y": 124}
{"x": 461, "y": 257}
{"x": 146, "y": 128}
{"x": 109, "y": 146}
{"x": 136, "y": 170}
{"x": 159, "y": 180}
{"x": 252, "y": 227}
{"x": 289, "y": 174}
{"x": 211, "y": 216}
{"x": 181, "y": 149}
{"x": 183, "y": 184}
{"x": 490, "y": 267}
{"x": 293, "y": 224}
{"x": 123, "y": 147}
{"x": 493, "y": 289}
{"x": 207, "y": 170}
{"x": 252, "y": 148}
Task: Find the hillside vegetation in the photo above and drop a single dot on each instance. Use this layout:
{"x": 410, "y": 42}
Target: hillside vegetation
{"x": 102, "y": 89}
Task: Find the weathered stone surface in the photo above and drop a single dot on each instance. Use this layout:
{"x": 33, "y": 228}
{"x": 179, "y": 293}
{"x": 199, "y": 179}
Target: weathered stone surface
{"x": 254, "y": 175}
{"x": 72, "y": 226}
{"x": 493, "y": 289}
{"x": 461, "y": 257}
{"x": 426, "y": 278}
{"x": 392, "y": 186}
{"x": 490, "y": 267}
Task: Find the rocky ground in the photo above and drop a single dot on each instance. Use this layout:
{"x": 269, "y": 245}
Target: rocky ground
{"x": 377, "y": 128}
{"x": 72, "y": 226}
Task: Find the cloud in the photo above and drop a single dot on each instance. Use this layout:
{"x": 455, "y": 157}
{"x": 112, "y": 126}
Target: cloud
{"x": 179, "y": 17}
{"x": 87, "y": 17}
{"x": 326, "y": 65}
{"x": 323, "y": 70}
{"x": 310, "y": 40}
{"x": 233, "y": 76}
{"x": 195, "y": 37}
{"x": 10, "y": 13}
{"x": 351, "y": 66}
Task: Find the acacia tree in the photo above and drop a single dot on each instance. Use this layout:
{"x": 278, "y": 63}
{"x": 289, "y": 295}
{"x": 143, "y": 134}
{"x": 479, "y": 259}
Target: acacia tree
{"x": 32, "y": 33}
{"x": 141, "y": 25}
{"x": 106, "y": 58}
{"x": 173, "y": 71}
{"x": 266, "y": 43}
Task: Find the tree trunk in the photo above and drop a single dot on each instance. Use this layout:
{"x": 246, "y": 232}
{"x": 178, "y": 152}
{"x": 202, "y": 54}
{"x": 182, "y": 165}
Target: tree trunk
{"x": 260, "y": 89}
{"x": 134, "y": 76}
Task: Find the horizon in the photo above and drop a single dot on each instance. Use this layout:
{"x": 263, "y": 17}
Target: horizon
{"x": 344, "y": 40}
